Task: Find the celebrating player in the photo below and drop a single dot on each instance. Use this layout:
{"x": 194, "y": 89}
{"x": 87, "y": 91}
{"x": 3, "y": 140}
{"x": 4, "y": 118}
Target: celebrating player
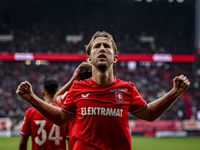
{"x": 100, "y": 104}
{"x": 45, "y": 134}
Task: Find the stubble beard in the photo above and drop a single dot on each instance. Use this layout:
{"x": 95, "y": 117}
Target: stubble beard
{"x": 100, "y": 66}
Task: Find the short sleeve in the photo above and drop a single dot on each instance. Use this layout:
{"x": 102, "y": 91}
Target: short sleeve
{"x": 137, "y": 102}
{"x": 25, "y": 130}
{"x": 69, "y": 105}
{"x": 62, "y": 98}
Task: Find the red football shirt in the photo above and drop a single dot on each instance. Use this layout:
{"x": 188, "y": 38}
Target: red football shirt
{"x": 62, "y": 100}
{"x": 101, "y": 114}
{"x": 45, "y": 135}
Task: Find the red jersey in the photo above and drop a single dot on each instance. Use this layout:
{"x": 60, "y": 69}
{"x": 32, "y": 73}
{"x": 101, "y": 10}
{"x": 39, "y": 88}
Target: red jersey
{"x": 101, "y": 114}
{"x": 45, "y": 135}
{"x": 62, "y": 98}
{"x": 69, "y": 125}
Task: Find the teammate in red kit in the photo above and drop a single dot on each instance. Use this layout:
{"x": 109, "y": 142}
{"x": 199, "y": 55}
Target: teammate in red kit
{"x": 82, "y": 72}
{"x": 100, "y": 104}
{"x": 44, "y": 134}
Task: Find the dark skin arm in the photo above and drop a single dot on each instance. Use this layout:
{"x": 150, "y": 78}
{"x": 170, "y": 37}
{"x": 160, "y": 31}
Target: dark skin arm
{"x": 23, "y": 142}
{"x": 156, "y": 108}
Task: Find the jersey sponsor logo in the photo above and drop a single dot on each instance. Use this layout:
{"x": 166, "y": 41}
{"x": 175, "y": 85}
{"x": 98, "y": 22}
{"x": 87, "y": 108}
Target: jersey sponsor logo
{"x": 119, "y": 89}
{"x": 86, "y": 95}
{"x": 101, "y": 111}
{"x": 119, "y": 97}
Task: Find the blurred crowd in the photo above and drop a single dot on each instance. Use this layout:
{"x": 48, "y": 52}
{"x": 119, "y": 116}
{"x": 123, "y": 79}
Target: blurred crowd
{"x": 152, "y": 81}
{"x": 42, "y": 27}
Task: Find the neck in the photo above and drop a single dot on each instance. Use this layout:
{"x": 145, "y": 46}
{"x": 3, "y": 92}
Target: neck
{"x": 103, "y": 77}
{"x": 48, "y": 99}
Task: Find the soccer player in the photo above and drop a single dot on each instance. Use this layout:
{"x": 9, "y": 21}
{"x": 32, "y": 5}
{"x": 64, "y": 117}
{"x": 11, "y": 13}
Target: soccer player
{"x": 100, "y": 104}
{"x": 82, "y": 72}
{"x": 45, "y": 134}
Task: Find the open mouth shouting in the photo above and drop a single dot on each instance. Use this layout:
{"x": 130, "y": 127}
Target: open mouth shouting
{"x": 102, "y": 57}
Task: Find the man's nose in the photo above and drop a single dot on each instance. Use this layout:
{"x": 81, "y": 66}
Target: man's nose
{"x": 102, "y": 48}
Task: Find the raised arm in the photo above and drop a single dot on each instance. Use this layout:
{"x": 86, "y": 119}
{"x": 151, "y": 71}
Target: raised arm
{"x": 67, "y": 86}
{"x": 156, "y": 108}
{"x": 52, "y": 113}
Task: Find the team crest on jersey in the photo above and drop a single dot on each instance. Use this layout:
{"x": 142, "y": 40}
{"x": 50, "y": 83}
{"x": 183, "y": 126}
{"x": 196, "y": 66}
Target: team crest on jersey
{"x": 119, "y": 97}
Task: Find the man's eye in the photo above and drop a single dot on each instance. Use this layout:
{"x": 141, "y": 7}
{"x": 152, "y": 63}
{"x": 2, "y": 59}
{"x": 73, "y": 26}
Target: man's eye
{"x": 106, "y": 46}
{"x": 96, "y": 46}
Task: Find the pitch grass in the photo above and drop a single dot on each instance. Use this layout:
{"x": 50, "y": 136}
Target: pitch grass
{"x": 138, "y": 143}
{"x": 152, "y": 143}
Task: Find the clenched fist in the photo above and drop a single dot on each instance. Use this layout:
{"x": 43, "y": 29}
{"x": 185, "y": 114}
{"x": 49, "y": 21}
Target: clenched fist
{"x": 181, "y": 83}
{"x": 25, "y": 91}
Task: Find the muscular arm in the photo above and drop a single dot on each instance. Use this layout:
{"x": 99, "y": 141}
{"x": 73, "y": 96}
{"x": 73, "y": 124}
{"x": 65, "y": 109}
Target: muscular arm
{"x": 52, "y": 113}
{"x": 23, "y": 142}
{"x": 156, "y": 108}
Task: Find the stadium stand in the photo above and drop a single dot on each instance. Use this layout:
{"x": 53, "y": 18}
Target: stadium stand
{"x": 151, "y": 81}
{"x": 41, "y": 27}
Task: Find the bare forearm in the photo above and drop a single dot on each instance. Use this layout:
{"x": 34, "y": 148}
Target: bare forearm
{"x": 156, "y": 108}
{"x": 50, "y": 112}
{"x": 159, "y": 106}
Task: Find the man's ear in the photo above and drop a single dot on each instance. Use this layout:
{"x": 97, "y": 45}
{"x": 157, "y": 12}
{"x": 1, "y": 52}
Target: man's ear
{"x": 89, "y": 59}
{"x": 115, "y": 59}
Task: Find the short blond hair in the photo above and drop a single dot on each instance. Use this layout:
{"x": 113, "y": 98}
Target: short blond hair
{"x": 101, "y": 34}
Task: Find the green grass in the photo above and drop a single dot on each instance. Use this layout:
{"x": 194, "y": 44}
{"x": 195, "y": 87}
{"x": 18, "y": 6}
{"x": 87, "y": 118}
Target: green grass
{"x": 152, "y": 143}
{"x": 138, "y": 143}
{"x": 12, "y": 143}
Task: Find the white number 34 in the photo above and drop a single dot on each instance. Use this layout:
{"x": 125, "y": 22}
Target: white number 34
{"x": 43, "y": 133}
